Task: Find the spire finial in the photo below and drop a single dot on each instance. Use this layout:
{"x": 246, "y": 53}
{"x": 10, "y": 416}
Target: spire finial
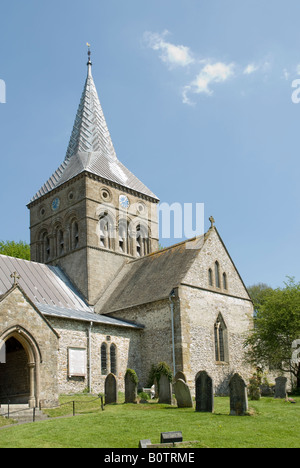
{"x": 89, "y": 64}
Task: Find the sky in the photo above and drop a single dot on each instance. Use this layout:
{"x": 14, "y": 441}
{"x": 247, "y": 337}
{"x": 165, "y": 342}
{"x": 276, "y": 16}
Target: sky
{"x": 201, "y": 99}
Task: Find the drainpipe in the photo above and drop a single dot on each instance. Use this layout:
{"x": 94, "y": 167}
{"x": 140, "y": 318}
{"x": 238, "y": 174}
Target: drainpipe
{"x": 171, "y": 297}
{"x": 90, "y": 357}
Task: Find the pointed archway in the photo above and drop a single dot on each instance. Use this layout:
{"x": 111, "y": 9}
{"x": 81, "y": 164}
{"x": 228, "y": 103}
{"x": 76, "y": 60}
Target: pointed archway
{"x": 19, "y": 375}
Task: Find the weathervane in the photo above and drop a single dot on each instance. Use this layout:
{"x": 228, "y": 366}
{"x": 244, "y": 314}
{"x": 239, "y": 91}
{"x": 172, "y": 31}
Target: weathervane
{"x": 89, "y": 53}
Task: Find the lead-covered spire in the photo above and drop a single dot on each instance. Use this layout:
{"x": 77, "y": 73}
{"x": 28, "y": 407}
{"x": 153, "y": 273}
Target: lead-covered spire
{"x": 90, "y": 132}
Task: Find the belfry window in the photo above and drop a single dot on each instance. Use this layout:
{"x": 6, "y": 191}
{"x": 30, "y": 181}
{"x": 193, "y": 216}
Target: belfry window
{"x": 106, "y": 231}
{"x": 46, "y": 247}
{"x": 60, "y": 243}
{"x": 142, "y": 241}
{"x": 123, "y": 237}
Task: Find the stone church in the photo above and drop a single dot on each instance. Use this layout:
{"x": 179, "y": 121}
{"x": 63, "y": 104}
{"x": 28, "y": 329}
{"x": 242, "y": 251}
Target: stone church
{"x": 99, "y": 296}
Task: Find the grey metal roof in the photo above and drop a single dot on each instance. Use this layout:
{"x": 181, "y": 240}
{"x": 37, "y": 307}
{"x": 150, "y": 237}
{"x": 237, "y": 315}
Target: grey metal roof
{"x": 43, "y": 284}
{"x": 51, "y": 291}
{"x": 85, "y": 316}
{"x": 91, "y": 149}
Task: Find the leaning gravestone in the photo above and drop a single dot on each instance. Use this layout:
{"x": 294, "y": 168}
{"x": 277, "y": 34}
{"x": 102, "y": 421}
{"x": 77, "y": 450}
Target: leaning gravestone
{"x": 183, "y": 394}
{"x": 111, "y": 389}
{"x": 280, "y": 387}
{"x": 165, "y": 390}
{"x": 238, "y": 396}
{"x": 204, "y": 393}
{"x": 130, "y": 389}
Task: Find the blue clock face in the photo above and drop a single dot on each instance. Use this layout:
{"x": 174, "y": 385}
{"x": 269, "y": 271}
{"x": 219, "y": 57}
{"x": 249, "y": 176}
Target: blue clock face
{"x": 55, "y": 204}
{"x": 124, "y": 202}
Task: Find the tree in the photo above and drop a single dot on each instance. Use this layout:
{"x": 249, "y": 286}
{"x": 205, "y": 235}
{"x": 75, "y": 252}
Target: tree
{"x": 15, "y": 249}
{"x": 258, "y": 292}
{"x": 276, "y": 328}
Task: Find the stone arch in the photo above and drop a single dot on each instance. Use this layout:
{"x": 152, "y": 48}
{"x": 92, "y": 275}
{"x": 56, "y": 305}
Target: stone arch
{"x": 34, "y": 359}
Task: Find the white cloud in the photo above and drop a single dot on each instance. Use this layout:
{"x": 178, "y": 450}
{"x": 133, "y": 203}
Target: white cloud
{"x": 171, "y": 54}
{"x": 251, "y": 68}
{"x": 211, "y": 73}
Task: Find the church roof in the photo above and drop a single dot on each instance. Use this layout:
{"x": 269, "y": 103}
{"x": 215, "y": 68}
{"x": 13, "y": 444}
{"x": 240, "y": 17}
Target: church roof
{"x": 91, "y": 149}
{"x": 51, "y": 291}
{"x": 150, "y": 278}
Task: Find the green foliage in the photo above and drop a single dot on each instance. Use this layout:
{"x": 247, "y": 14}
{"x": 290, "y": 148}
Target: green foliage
{"x": 258, "y": 293}
{"x": 158, "y": 370}
{"x": 253, "y": 387}
{"x": 144, "y": 395}
{"x": 133, "y": 376}
{"x": 276, "y": 327}
{"x": 15, "y": 249}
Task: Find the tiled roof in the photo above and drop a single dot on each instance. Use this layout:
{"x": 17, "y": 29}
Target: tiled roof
{"x": 150, "y": 278}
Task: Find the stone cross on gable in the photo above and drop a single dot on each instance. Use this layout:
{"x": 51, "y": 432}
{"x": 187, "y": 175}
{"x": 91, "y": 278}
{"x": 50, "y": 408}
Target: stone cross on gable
{"x": 212, "y": 220}
{"x": 15, "y": 277}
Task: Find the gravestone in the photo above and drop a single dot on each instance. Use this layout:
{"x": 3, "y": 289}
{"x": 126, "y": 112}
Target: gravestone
{"x": 130, "y": 389}
{"x": 111, "y": 389}
{"x": 183, "y": 394}
{"x": 180, "y": 375}
{"x": 280, "y": 387}
{"x": 204, "y": 393}
{"x": 165, "y": 390}
{"x": 238, "y": 396}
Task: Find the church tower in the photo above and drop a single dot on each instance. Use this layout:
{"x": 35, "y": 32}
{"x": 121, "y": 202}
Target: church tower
{"x": 93, "y": 214}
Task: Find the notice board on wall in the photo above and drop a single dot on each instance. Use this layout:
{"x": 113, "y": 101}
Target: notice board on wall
{"x": 77, "y": 362}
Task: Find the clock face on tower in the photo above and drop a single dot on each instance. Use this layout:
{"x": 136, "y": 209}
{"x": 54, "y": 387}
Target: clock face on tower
{"x": 124, "y": 202}
{"x": 55, "y": 204}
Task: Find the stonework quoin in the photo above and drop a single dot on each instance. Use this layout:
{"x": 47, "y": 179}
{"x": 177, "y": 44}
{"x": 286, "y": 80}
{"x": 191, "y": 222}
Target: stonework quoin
{"x": 281, "y": 387}
{"x": 183, "y": 394}
{"x": 238, "y": 396}
{"x": 111, "y": 389}
{"x": 204, "y": 393}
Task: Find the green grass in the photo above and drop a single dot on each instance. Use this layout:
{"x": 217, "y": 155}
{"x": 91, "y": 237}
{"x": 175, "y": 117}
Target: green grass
{"x": 271, "y": 423}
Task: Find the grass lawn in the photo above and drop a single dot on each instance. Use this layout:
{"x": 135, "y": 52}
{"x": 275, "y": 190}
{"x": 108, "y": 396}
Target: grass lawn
{"x": 271, "y": 423}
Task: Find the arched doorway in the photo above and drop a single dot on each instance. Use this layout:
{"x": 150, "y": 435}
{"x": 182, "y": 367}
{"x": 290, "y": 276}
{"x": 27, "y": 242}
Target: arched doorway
{"x": 19, "y": 375}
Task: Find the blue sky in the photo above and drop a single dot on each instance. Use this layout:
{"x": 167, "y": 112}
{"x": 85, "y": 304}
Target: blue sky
{"x": 197, "y": 97}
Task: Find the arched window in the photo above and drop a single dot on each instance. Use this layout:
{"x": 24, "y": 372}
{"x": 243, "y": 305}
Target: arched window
{"x": 123, "y": 236}
{"x": 210, "y": 277}
{"x": 60, "y": 243}
{"x": 217, "y": 275}
{"x": 43, "y": 247}
{"x": 113, "y": 359}
{"x": 225, "y": 281}
{"x": 46, "y": 247}
{"x": 142, "y": 241}
{"x": 107, "y": 232}
{"x": 104, "y": 359}
{"x": 220, "y": 332}
{"x": 74, "y": 235}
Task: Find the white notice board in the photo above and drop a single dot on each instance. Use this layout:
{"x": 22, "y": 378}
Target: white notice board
{"x": 77, "y": 362}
